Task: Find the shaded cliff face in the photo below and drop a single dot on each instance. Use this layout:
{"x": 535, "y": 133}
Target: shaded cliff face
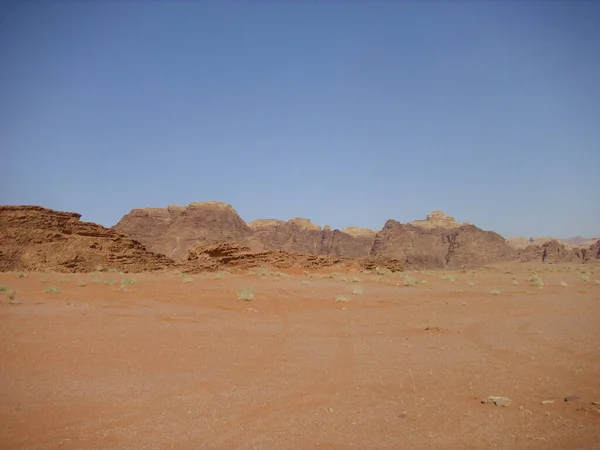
{"x": 36, "y": 238}
{"x": 437, "y": 247}
{"x": 302, "y": 236}
{"x": 174, "y": 230}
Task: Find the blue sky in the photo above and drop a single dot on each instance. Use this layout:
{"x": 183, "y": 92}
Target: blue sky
{"x": 348, "y": 113}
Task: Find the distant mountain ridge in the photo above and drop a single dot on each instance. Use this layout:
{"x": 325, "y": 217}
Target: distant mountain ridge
{"x": 434, "y": 242}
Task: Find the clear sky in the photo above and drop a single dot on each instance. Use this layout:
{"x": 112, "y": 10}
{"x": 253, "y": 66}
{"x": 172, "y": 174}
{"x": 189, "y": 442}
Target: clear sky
{"x": 348, "y": 113}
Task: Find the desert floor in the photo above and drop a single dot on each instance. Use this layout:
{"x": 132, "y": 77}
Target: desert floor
{"x": 157, "y": 361}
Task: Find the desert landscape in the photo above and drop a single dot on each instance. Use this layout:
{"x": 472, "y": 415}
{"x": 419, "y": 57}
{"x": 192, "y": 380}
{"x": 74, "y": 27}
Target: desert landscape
{"x": 186, "y": 327}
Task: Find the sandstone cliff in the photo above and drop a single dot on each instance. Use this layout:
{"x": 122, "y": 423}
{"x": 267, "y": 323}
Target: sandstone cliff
{"x": 438, "y": 247}
{"x": 302, "y": 236}
{"x": 36, "y": 238}
{"x": 174, "y": 230}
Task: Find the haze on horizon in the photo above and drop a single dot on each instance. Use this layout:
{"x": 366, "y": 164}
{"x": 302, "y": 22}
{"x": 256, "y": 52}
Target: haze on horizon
{"x": 345, "y": 113}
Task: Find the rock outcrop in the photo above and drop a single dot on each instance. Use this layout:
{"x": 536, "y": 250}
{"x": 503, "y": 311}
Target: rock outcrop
{"x": 174, "y": 230}
{"x": 437, "y": 247}
{"x": 593, "y": 252}
{"x": 302, "y": 236}
{"x": 36, "y": 238}
{"x": 437, "y": 219}
{"x": 216, "y": 256}
{"x": 554, "y": 251}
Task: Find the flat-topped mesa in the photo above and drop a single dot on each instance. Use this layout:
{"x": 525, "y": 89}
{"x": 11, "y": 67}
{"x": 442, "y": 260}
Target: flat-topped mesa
{"x": 437, "y": 219}
{"x": 211, "y": 204}
{"x": 260, "y": 224}
{"x": 360, "y": 232}
{"x": 304, "y": 224}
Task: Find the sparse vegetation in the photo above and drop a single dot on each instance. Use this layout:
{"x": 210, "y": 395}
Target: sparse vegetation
{"x": 343, "y": 278}
{"x": 22, "y": 275}
{"x": 471, "y": 283}
{"x": 3, "y": 289}
{"x": 52, "y": 290}
{"x": 12, "y": 297}
{"x": 563, "y": 283}
{"x": 449, "y": 278}
{"x": 430, "y": 327}
{"x": 126, "y": 282}
{"x": 410, "y": 281}
{"x": 341, "y": 298}
{"x": 260, "y": 271}
{"x": 495, "y": 292}
{"x": 246, "y": 294}
{"x": 585, "y": 277}
{"x": 355, "y": 280}
{"x": 305, "y": 282}
{"x": 81, "y": 284}
{"x": 383, "y": 271}
{"x": 536, "y": 280}
{"x": 357, "y": 290}
{"x": 187, "y": 278}
{"x": 597, "y": 282}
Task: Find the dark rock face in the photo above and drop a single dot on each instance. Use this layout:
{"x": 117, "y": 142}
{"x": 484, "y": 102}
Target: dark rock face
{"x": 174, "y": 230}
{"x": 302, "y": 236}
{"x": 419, "y": 247}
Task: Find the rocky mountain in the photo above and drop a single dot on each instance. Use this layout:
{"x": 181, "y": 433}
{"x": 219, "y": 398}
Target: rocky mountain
{"x": 211, "y": 235}
{"x": 522, "y": 242}
{"x": 36, "y": 238}
{"x": 437, "y": 247}
{"x": 302, "y": 236}
{"x": 436, "y": 241}
{"x": 174, "y": 230}
{"x": 554, "y": 251}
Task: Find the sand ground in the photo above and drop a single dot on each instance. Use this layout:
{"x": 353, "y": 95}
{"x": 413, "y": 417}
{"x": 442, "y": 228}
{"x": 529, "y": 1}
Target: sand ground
{"x": 181, "y": 362}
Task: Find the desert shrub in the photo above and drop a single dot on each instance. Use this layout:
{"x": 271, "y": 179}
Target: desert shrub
{"x": 536, "y": 280}
{"x": 409, "y": 281}
{"x": 52, "y": 290}
{"x": 260, "y": 271}
{"x": 246, "y": 294}
{"x": 357, "y": 290}
{"x": 383, "y": 271}
{"x": 341, "y": 298}
{"x": 495, "y": 292}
